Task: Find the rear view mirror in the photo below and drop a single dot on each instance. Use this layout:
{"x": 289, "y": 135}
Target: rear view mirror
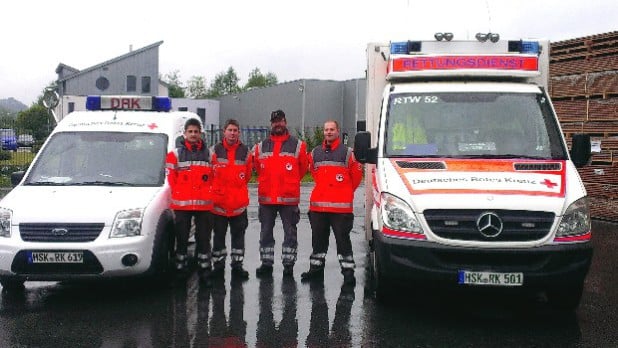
{"x": 580, "y": 150}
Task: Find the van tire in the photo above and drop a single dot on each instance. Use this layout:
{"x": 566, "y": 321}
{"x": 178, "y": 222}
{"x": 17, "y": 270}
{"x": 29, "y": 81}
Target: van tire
{"x": 163, "y": 250}
{"x": 10, "y": 284}
{"x": 381, "y": 285}
{"x": 565, "y": 297}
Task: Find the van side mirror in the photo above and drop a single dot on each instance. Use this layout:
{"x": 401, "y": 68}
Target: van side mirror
{"x": 362, "y": 150}
{"x": 16, "y": 177}
{"x": 580, "y": 149}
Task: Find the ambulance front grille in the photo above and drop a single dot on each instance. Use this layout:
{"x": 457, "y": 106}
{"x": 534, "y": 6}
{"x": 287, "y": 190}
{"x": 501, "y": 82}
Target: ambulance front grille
{"x": 466, "y": 224}
{"x": 60, "y": 232}
{"x": 421, "y": 165}
{"x": 538, "y": 166}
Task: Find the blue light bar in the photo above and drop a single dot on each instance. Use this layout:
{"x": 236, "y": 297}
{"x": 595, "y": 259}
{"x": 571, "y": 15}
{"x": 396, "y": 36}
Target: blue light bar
{"x": 95, "y": 102}
{"x": 399, "y": 47}
{"x": 405, "y": 47}
{"x": 530, "y": 47}
{"x": 161, "y": 103}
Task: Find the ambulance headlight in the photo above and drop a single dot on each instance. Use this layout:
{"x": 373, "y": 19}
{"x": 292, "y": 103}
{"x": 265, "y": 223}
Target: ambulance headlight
{"x": 5, "y": 222}
{"x": 397, "y": 214}
{"x": 127, "y": 223}
{"x": 575, "y": 221}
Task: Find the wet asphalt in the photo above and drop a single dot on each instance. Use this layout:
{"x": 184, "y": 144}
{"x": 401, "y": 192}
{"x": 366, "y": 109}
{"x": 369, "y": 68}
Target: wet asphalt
{"x": 280, "y": 312}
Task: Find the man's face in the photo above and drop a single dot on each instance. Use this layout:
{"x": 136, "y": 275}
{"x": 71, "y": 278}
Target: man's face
{"x": 192, "y": 134}
{"x": 278, "y": 127}
{"x": 231, "y": 134}
{"x": 330, "y": 132}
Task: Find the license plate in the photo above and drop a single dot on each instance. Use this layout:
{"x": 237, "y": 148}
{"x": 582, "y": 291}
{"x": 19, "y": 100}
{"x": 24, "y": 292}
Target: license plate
{"x": 55, "y": 257}
{"x": 490, "y": 278}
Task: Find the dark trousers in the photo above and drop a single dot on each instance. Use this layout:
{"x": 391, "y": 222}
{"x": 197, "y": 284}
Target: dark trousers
{"x": 203, "y": 229}
{"x": 290, "y": 215}
{"x": 238, "y": 225}
{"x": 341, "y": 224}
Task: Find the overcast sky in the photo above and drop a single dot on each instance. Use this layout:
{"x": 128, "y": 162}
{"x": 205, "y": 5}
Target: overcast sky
{"x": 323, "y": 39}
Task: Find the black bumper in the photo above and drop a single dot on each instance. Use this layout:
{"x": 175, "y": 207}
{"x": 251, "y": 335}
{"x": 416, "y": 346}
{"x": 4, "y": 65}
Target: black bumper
{"x": 426, "y": 262}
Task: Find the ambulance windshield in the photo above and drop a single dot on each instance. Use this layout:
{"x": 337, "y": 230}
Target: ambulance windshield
{"x": 101, "y": 159}
{"x": 472, "y": 125}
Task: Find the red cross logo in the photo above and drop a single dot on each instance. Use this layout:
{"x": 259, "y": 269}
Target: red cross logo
{"x": 152, "y": 126}
{"x": 549, "y": 183}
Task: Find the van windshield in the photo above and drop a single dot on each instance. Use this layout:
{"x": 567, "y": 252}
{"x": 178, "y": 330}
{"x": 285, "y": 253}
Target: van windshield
{"x": 471, "y": 125}
{"x": 101, "y": 159}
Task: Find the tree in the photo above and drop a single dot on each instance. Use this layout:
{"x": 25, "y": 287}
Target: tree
{"x": 224, "y": 83}
{"x": 197, "y": 87}
{"x": 175, "y": 88}
{"x": 35, "y": 120}
{"x": 257, "y": 79}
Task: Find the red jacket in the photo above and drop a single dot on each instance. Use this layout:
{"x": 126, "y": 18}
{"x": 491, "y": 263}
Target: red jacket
{"x": 232, "y": 171}
{"x": 337, "y": 174}
{"x": 281, "y": 162}
{"x": 189, "y": 175}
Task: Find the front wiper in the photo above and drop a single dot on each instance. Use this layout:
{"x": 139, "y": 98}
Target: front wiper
{"x": 46, "y": 183}
{"x": 103, "y": 183}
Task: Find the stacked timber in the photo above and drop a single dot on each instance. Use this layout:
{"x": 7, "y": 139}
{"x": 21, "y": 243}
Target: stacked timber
{"x": 584, "y": 90}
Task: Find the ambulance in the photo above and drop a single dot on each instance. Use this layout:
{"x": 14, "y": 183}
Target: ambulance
{"x": 94, "y": 203}
{"x": 469, "y": 179}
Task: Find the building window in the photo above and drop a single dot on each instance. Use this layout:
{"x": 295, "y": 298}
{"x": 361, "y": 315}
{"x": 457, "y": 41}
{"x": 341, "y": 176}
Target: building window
{"x": 71, "y": 107}
{"x": 102, "y": 83}
{"x": 201, "y": 112}
{"x": 131, "y": 83}
{"x": 145, "y": 84}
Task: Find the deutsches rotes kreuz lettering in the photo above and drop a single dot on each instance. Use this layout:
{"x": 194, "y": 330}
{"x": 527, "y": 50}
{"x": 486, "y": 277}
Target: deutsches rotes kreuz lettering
{"x": 475, "y": 179}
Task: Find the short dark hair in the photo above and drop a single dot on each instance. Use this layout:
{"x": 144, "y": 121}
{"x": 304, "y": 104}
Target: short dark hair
{"x": 231, "y": 121}
{"x": 277, "y": 115}
{"x": 193, "y": 122}
{"x": 333, "y": 121}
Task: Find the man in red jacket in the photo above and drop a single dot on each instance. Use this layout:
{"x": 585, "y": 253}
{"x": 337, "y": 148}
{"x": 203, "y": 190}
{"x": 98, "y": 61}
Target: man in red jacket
{"x": 337, "y": 174}
{"x": 189, "y": 174}
{"x": 280, "y": 162}
{"x": 231, "y": 161}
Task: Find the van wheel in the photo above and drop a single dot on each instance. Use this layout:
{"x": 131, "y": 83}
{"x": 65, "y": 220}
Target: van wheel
{"x": 382, "y": 285}
{"x": 163, "y": 252}
{"x": 12, "y": 284}
{"x": 566, "y": 297}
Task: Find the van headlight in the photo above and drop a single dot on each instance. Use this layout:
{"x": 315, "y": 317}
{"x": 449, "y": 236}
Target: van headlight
{"x": 127, "y": 223}
{"x": 5, "y": 222}
{"x": 398, "y": 215}
{"x": 576, "y": 219}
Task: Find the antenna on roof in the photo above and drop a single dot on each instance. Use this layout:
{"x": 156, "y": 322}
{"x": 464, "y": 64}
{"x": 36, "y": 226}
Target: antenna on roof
{"x": 488, "y": 16}
{"x": 131, "y": 48}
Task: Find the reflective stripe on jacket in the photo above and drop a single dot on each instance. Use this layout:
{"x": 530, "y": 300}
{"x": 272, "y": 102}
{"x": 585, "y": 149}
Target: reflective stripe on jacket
{"x": 281, "y": 162}
{"x": 231, "y": 173}
{"x": 189, "y": 174}
{"x": 336, "y": 174}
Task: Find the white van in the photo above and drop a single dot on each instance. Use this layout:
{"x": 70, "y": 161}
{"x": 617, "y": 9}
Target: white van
{"x": 470, "y": 182}
{"x": 94, "y": 203}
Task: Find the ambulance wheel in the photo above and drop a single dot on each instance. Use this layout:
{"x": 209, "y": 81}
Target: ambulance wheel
{"x": 382, "y": 285}
{"x": 163, "y": 251}
{"x": 12, "y": 284}
{"x": 565, "y": 297}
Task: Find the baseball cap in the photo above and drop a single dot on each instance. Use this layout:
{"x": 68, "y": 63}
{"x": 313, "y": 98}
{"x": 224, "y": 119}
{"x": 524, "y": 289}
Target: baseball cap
{"x": 277, "y": 115}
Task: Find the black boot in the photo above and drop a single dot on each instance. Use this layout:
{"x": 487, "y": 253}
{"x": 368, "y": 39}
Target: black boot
{"x": 264, "y": 271}
{"x": 288, "y": 270}
{"x": 348, "y": 277}
{"x": 239, "y": 272}
{"x": 314, "y": 273}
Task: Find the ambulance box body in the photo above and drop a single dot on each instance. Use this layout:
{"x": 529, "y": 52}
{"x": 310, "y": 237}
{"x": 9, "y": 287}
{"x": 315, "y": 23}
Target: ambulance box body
{"x": 94, "y": 203}
{"x": 469, "y": 180}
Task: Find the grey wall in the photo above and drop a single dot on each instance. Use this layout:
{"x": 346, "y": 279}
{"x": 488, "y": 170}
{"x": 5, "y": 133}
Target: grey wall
{"x": 143, "y": 64}
{"x": 316, "y": 100}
